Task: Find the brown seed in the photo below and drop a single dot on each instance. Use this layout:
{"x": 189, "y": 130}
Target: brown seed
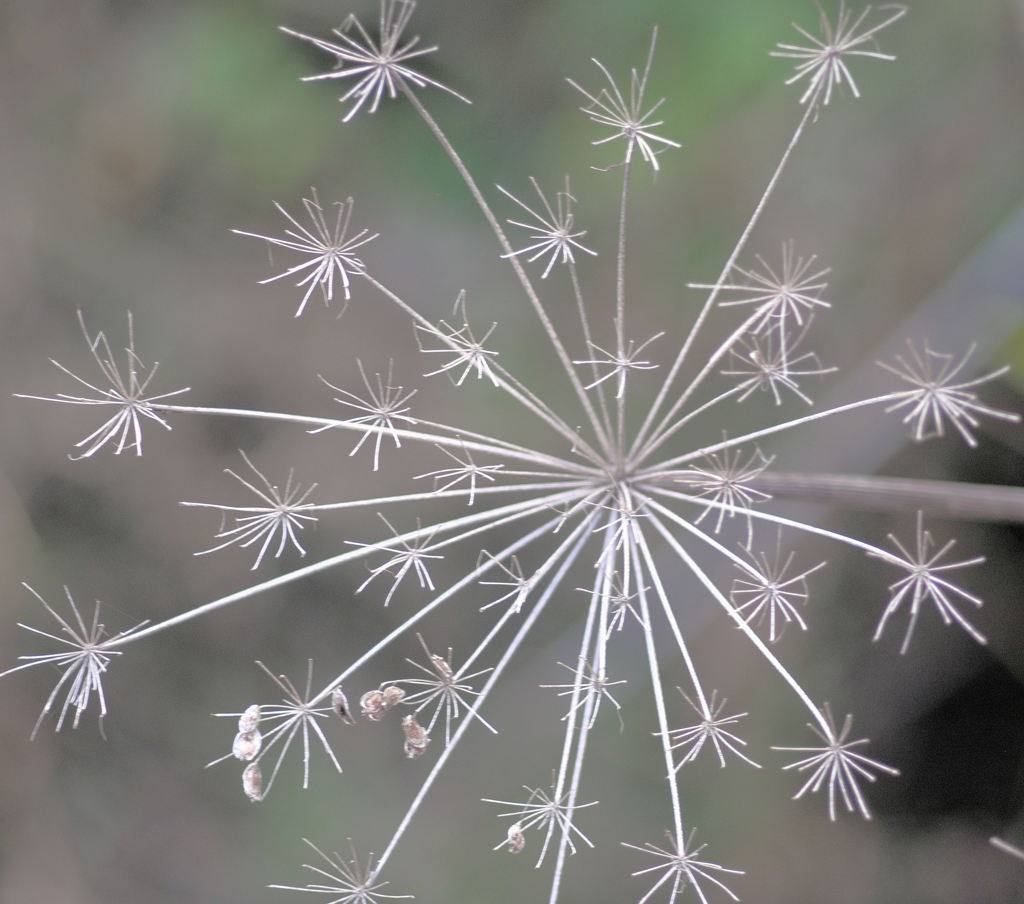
{"x": 372, "y": 705}
{"x": 252, "y": 782}
{"x": 416, "y": 737}
{"x": 516, "y": 840}
{"x": 249, "y": 719}
{"x": 392, "y": 695}
{"x": 339, "y": 703}
{"x": 246, "y": 745}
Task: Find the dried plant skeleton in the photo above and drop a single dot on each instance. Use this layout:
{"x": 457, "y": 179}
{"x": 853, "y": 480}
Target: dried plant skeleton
{"x": 602, "y": 505}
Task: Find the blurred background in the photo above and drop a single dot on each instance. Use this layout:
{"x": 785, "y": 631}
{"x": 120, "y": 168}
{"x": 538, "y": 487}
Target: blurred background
{"x": 137, "y": 134}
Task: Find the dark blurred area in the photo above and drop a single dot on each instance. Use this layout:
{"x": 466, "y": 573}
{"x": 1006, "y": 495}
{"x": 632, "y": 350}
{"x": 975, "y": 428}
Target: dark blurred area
{"x": 137, "y": 134}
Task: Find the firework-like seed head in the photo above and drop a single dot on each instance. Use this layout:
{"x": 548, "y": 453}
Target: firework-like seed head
{"x": 836, "y": 766}
{"x": 82, "y": 662}
{"x": 349, "y": 882}
{"x": 713, "y": 728}
{"x": 936, "y": 400}
{"x": 467, "y": 471}
{"x": 384, "y": 410}
{"x": 621, "y": 603}
{"x": 624, "y": 113}
{"x": 466, "y": 351}
{"x": 377, "y": 66}
{"x": 409, "y": 552}
{"x": 550, "y": 232}
{"x": 767, "y": 361}
{"x": 769, "y": 592}
{"x": 726, "y": 481}
{"x": 824, "y": 61}
{"x": 446, "y": 687}
{"x": 783, "y": 297}
{"x": 519, "y": 584}
{"x": 679, "y": 866}
{"x": 329, "y": 250}
{"x": 284, "y": 512}
{"x": 596, "y": 498}
{"x": 589, "y": 688}
{"x": 126, "y": 392}
{"x": 926, "y": 581}
{"x": 549, "y": 812}
{"x": 619, "y": 364}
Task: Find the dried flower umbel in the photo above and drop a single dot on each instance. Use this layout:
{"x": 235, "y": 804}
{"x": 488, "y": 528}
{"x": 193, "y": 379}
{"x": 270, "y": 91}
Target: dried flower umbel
{"x": 627, "y": 487}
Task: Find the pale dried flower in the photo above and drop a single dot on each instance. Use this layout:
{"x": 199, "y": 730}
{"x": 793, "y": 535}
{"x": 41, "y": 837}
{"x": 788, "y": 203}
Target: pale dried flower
{"x": 837, "y": 766}
{"x": 125, "y": 392}
{"x": 329, "y": 250}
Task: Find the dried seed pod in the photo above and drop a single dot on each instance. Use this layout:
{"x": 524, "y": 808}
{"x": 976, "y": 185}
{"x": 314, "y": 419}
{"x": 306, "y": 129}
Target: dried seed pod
{"x": 376, "y": 703}
{"x": 250, "y": 719}
{"x": 246, "y": 745}
{"x": 414, "y": 751}
{"x": 392, "y": 695}
{"x": 516, "y": 840}
{"x": 372, "y": 705}
{"x": 416, "y": 737}
{"x": 339, "y": 703}
{"x": 252, "y": 782}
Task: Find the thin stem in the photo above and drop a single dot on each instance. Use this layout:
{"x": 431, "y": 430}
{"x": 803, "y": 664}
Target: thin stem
{"x": 732, "y": 442}
{"x": 667, "y": 428}
{"x": 508, "y": 252}
{"x": 663, "y": 729}
{"x": 767, "y": 517}
{"x": 503, "y": 378}
{"x": 513, "y": 646}
{"x": 452, "y": 442}
{"x": 670, "y": 616}
{"x": 570, "y": 732}
{"x": 588, "y": 343}
{"x": 404, "y": 497}
{"x": 517, "y": 509}
{"x": 709, "y": 303}
{"x": 620, "y": 302}
{"x": 730, "y": 610}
